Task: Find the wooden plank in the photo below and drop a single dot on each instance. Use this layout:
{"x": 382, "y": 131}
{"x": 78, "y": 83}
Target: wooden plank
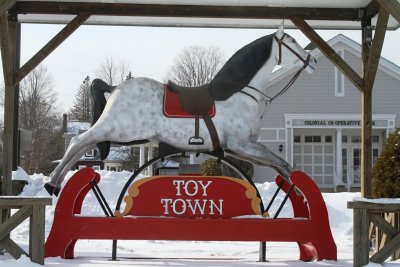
{"x": 387, "y": 250}
{"x": 376, "y": 49}
{"x": 204, "y": 11}
{"x": 6, "y": 5}
{"x": 366, "y": 122}
{"x": 373, "y": 206}
{"x": 18, "y": 201}
{"x": 6, "y": 54}
{"x": 50, "y": 46}
{"x": 12, "y": 248}
{"x": 36, "y": 235}
{"x": 15, "y": 220}
{"x": 8, "y": 71}
{"x": 371, "y": 10}
{"x": 393, "y": 7}
{"x": 360, "y": 239}
{"x": 329, "y": 52}
{"x": 386, "y": 227}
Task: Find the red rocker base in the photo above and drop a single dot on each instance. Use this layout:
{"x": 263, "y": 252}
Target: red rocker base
{"x": 309, "y": 227}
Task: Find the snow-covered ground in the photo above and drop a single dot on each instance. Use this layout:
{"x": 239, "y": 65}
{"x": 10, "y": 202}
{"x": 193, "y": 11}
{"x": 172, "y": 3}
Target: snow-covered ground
{"x": 174, "y": 253}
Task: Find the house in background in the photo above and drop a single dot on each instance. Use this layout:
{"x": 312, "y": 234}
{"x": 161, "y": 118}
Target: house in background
{"x": 92, "y": 157}
{"x": 120, "y": 157}
{"x": 316, "y": 125}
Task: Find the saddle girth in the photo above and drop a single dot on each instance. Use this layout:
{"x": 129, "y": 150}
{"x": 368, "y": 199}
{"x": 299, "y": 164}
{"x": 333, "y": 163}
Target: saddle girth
{"x": 197, "y": 101}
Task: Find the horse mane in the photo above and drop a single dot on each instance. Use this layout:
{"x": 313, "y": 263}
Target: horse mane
{"x": 240, "y": 69}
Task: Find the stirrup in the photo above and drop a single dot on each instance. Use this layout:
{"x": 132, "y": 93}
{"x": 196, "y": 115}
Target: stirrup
{"x": 196, "y": 140}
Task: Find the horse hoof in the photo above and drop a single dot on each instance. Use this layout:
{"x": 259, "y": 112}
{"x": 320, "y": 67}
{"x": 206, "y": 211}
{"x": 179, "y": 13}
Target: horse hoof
{"x": 51, "y": 189}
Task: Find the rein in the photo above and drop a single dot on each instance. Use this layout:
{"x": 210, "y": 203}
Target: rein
{"x": 306, "y": 62}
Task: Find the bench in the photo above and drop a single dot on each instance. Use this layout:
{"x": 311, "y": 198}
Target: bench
{"x": 149, "y": 214}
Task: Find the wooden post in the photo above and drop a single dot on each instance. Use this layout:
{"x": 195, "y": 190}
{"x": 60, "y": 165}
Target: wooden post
{"x": 7, "y": 56}
{"x": 360, "y": 239}
{"x": 368, "y": 82}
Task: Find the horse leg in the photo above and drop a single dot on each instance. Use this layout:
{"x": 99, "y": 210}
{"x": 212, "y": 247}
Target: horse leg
{"x": 78, "y": 146}
{"x": 260, "y": 155}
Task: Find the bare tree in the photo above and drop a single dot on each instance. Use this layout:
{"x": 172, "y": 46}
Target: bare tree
{"x": 82, "y": 108}
{"x": 196, "y": 66}
{"x": 112, "y": 72}
{"x": 38, "y": 113}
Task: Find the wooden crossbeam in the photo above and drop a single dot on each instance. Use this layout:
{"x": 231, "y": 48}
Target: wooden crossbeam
{"x": 50, "y": 46}
{"x": 387, "y": 250}
{"x": 6, "y": 5}
{"x": 203, "y": 11}
{"x": 12, "y": 248}
{"x": 15, "y": 220}
{"x": 393, "y": 7}
{"x": 383, "y": 225}
{"x": 329, "y": 52}
{"x": 376, "y": 49}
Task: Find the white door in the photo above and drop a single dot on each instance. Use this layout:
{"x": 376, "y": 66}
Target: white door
{"x": 314, "y": 154}
{"x": 351, "y": 158}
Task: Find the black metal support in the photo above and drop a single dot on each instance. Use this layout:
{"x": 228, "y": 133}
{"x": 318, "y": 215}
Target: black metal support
{"x": 274, "y": 196}
{"x": 100, "y": 198}
{"x": 284, "y": 201}
{"x": 262, "y": 256}
{"x": 114, "y": 250}
{"x": 107, "y": 211}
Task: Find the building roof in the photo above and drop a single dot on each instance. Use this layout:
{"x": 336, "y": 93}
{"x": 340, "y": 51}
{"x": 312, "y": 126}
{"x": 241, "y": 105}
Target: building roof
{"x": 77, "y": 127}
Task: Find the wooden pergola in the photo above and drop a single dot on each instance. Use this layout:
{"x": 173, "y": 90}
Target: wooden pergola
{"x": 363, "y": 15}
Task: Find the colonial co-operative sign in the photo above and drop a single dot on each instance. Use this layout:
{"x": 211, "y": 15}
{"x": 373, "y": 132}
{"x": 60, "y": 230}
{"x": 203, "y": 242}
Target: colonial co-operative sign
{"x": 316, "y": 123}
{"x": 191, "y": 196}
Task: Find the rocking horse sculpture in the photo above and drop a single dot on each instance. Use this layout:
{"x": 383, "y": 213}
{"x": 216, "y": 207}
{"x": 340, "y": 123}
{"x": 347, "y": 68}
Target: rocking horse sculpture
{"x": 134, "y": 111}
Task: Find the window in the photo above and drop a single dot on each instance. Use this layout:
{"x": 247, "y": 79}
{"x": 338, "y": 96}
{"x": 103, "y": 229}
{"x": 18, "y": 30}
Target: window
{"x": 297, "y": 139}
{"x": 344, "y": 139}
{"x": 339, "y": 78}
{"x": 328, "y": 139}
{"x": 375, "y": 139}
{"x": 312, "y": 139}
{"x": 356, "y": 139}
{"x": 90, "y": 153}
{"x": 96, "y": 167}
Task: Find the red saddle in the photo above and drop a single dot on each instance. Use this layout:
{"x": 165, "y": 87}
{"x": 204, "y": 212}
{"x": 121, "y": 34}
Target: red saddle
{"x": 173, "y": 109}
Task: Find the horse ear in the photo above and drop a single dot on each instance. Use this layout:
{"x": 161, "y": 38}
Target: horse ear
{"x": 280, "y": 31}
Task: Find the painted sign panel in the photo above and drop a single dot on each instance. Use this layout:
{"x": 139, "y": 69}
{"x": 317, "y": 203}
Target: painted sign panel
{"x": 191, "y": 197}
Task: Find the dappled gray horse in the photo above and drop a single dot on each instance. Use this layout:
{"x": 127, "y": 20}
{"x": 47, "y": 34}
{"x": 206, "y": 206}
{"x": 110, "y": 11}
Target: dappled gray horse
{"x": 134, "y": 110}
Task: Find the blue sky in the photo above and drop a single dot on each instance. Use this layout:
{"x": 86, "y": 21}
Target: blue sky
{"x": 148, "y": 51}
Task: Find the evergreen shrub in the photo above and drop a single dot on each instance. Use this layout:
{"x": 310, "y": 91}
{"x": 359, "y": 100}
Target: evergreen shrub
{"x": 210, "y": 167}
{"x": 386, "y": 172}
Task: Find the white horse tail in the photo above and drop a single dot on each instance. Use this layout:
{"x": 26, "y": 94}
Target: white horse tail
{"x": 99, "y": 101}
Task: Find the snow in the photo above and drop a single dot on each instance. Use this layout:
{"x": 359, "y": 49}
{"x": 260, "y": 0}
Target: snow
{"x": 183, "y": 253}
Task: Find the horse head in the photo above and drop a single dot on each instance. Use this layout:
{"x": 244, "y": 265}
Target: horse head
{"x": 290, "y": 53}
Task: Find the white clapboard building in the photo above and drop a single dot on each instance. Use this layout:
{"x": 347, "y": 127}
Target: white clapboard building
{"x": 316, "y": 125}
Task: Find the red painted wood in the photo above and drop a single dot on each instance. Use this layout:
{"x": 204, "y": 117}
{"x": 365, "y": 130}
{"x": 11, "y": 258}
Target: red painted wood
{"x": 311, "y": 233}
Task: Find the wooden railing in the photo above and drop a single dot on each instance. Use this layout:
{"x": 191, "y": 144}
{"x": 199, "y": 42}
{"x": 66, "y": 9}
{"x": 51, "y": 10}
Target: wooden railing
{"x": 374, "y": 220}
{"x": 28, "y": 207}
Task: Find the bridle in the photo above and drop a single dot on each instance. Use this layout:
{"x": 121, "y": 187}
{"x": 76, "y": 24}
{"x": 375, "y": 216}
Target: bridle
{"x": 282, "y": 43}
{"x": 306, "y": 62}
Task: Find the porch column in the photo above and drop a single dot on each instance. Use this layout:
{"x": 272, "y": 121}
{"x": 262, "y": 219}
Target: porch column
{"x": 339, "y": 170}
{"x": 150, "y": 157}
{"x": 141, "y": 155}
